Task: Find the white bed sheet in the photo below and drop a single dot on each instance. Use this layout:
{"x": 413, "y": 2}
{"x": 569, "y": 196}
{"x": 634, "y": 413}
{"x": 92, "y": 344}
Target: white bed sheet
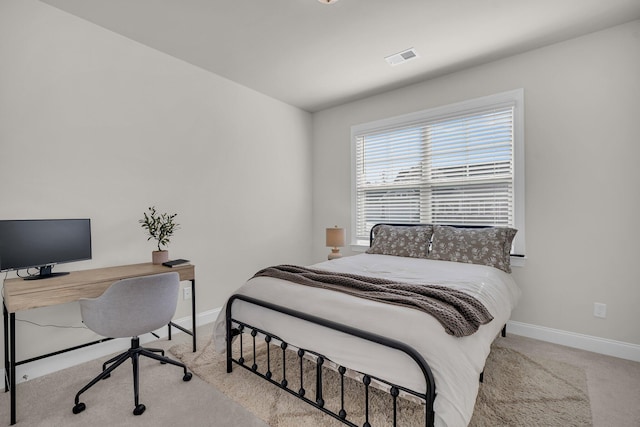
{"x": 456, "y": 363}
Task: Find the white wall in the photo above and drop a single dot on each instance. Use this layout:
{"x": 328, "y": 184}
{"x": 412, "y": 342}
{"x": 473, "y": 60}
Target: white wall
{"x": 95, "y": 125}
{"x": 582, "y": 115}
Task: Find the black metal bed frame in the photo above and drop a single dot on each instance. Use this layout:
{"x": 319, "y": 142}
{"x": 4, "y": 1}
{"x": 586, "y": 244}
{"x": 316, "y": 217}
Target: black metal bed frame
{"x": 428, "y": 396}
{"x": 394, "y": 390}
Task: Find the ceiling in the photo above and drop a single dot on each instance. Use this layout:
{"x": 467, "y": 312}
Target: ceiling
{"x": 314, "y": 56}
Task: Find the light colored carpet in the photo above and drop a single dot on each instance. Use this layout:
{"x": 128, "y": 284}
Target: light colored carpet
{"x": 517, "y": 391}
{"x": 47, "y": 401}
{"x": 521, "y": 391}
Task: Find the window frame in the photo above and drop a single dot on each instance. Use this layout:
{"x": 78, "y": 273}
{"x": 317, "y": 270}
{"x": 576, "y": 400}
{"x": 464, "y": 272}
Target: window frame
{"x": 514, "y": 97}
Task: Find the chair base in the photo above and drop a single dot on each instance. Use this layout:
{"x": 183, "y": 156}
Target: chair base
{"x": 133, "y": 353}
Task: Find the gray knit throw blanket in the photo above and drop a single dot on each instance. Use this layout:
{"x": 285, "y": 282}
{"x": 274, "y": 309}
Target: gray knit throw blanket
{"x": 460, "y": 314}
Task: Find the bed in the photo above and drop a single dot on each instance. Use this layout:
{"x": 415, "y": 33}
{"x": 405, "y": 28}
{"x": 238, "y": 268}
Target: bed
{"x": 413, "y": 352}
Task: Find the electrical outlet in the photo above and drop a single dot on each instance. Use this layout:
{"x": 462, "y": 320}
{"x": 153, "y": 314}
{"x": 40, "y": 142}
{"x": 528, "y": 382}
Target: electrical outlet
{"x": 600, "y": 310}
{"x": 186, "y": 293}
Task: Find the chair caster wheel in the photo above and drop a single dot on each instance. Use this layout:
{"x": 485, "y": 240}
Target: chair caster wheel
{"x": 79, "y": 408}
{"x": 187, "y": 376}
{"x": 139, "y": 409}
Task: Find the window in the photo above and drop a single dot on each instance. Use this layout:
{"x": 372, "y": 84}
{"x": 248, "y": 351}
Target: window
{"x": 459, "y": 164}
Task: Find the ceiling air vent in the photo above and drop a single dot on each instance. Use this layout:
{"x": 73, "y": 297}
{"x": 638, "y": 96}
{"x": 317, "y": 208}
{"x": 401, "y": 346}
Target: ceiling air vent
{"x": 401, "y": 57}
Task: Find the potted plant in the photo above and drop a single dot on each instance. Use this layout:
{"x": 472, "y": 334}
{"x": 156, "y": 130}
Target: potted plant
{"x": 160, "y": 227}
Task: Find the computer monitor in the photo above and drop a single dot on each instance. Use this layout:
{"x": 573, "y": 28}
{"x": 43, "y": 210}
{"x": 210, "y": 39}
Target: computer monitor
{"x": 42, "y": 243}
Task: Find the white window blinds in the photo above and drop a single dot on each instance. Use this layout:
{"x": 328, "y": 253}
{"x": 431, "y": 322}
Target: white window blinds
{"x": 438, "y": 167}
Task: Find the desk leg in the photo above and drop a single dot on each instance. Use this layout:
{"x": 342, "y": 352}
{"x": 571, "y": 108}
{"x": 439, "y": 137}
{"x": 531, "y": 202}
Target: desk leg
{"x": 12, "y": 367}
{"x": 10, "y": 358}
{"x": 193, "y": 312}
{"x": 5, "y": 322}
{"x": 193, "y": 317}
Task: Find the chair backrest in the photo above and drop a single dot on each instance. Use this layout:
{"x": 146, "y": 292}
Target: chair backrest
{"x": 132, "y": 307}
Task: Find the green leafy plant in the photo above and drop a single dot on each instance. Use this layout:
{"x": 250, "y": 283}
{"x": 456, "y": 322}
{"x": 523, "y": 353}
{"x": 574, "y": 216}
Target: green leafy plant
{"x": 159, "y": 226}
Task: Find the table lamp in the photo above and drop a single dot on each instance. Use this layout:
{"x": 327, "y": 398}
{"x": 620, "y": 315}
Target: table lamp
{"x": 335, "y": 240}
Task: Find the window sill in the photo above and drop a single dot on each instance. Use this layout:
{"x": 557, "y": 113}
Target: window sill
{"x": 518, "y": 261}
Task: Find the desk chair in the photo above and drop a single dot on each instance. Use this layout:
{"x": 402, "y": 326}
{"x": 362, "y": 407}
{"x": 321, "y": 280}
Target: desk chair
{"x": 129, "y": 308}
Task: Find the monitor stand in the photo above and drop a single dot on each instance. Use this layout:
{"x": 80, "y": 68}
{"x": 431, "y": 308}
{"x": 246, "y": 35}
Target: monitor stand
{"x": 45, "y": 273}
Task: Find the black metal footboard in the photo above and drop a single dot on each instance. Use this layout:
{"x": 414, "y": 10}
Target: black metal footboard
{"x": 393, "y": 390}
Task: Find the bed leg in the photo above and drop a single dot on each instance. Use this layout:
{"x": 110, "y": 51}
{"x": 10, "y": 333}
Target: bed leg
{"x": 229, "y": 334}
{"x": 504, "y": 330}
{"x": 482, "y": 376}
{"x": 229, "y": 355}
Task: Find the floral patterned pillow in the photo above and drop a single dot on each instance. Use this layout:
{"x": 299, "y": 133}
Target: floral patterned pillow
{"x": 486, "y": 246}
{"x": 402, "y": 241}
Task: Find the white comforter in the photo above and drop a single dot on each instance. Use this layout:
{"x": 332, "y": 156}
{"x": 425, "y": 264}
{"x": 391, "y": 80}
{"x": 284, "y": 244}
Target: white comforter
{"x": 456, "y": 363}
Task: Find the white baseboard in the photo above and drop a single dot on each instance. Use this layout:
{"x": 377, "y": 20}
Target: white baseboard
{"x": 52, "y": 364}
{"x": 609, "y": 347}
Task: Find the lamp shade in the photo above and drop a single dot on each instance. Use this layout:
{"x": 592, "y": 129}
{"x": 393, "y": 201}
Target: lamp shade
{"x": 335, "y": 237}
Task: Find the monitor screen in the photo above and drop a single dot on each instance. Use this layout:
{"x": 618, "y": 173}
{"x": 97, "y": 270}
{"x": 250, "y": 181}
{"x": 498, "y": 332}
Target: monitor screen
{"x": 40, "y": 243}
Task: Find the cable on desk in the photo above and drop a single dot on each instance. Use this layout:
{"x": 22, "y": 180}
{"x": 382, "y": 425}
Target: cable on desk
{"x": 28, "y": 274}
{"x": 51, "y": 326}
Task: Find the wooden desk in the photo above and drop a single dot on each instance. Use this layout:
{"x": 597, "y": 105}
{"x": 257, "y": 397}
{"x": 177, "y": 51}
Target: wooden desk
{"x": 22, "y": 295}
